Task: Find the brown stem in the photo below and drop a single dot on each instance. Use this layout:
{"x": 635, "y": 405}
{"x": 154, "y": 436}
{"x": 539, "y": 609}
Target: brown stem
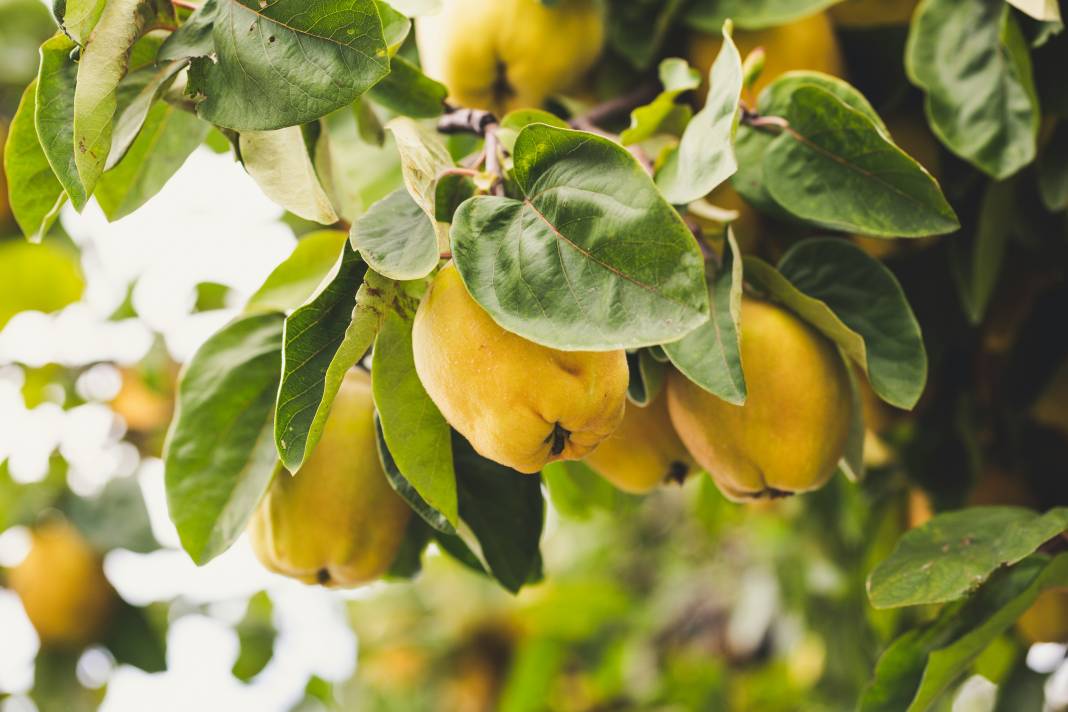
{"x": 622, "y": 104}
{"x": 457, "y": 120}
{"x": 185, "y": 4}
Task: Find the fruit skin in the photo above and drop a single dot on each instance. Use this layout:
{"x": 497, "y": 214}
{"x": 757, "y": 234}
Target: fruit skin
{"x": 63, "y": 588}
{"x": 872, "y": 13}
{"x": 792, "y": 430}
{"x": 337, "y": 522}
{"x": 502, "y": 55}
{"x": 643, "y": 452}
{"x": 808, "y": 43}
{"x": 518, "y": 403}
{"x": 1046, "y": 621}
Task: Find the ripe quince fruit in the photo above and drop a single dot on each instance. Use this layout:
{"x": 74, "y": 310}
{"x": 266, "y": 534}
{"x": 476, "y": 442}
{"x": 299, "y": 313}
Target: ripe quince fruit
{"x": 519, "y": 403}
{"x": 336, "y": 522}
{"x": 808, "y": 43}
{"x": 1046, "y": 621}
{"x": 873, "y": 13}
{"x": 63, "y": 588}
{"x": 643, "y": 452}
{"x": 501, "y": 55}
{"x": 792, "y": 430}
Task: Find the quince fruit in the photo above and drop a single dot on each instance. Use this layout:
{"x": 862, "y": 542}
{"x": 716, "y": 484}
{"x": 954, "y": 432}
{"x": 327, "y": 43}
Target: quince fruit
{"x": 792, "y": 430}
{"x": 873, "y": 13}
{"x": 62, "y": 586}
{"x": 518, "y": 403}
{"x": 337, "y": 522}
{"x": 502, "y": 55}
{"x": 808, "y": 43}
{"x": 643, "y": 452}
{"x": 1046, "y": 621}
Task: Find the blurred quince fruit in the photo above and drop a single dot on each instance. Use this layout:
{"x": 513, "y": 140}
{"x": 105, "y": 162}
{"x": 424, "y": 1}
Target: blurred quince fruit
{"x": 518, "y": 403}
{"x": 142, "y": 407}
{"x": 643, "y": 452}
{"x": 1046, "y": 621}
{"x": 336, "y": 522}
{"x": 808, "y": 43}
{"x": 501, "y": 55}
{"x": 63, "y": 588}
{"x": 873, "y": 13}
{"x": 792, "y": 430}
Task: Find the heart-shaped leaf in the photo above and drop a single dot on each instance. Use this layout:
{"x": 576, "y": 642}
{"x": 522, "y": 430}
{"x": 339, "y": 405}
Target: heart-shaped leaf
{"x": 396, "y": 238}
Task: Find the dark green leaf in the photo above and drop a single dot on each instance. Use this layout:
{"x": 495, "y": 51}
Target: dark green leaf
{"x": 956, "y": 551}
{"x": 973, "y": 62}
{"x": 255, "y": 636}
{"x": 1053, "y": 170}
{"x": 55, "y": 113}
{"x": 449, "y": 193}
{"x": 219, "y": 456}
{"x": 114, "y": 519}
{"x": 708, "y": 15}
{"x": 978, "y": 255}
{"x": 265, "y": 51}
{"x": 438, "y": 521}
{"x": 592, "y": 257}
{"x": 296, "y": 278}
{"x": 409, "y": 92}
{"x": 396, "y": 238}
{"x": 194, "y": 37}
{"x": 409, "y": 559}
{"x": 34, "y": 192}
{"x": 133, "y": 639}
{"x": 637, "y": 30}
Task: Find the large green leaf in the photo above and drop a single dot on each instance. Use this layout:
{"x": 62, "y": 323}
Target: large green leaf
{"x": 279, "y": 163}
{"x": 409, "y": 92}
{"x": 34, "y": 192}
{"x": 708, "y": 15}
{"x": 55, "y": 112}
{"x": 396, "y": 238}
{"x": 167, "y": 137}
{"x": 414, "y": 429}
{"x": 705, "y": 157}
{"x": 296, "y": 278}
{"x": 920, "y": 666}
{"x": 287, "y": 62}
{"x": 833, "y": 167}
{"x": 37, "y": 277}
{"x": 866, "y": 296}
{"x": 219, "y": 456}
{"x": 973, "y": 62}
{"x": 504, "y": 510}
{"x": 592, "y": 257}
{"x": 710, "y": 355}
{"x": 103, "y": 63}
{"x": 324, "y": 339}
{"x": 431, "y": 516}
{"x": 954, "y": 552}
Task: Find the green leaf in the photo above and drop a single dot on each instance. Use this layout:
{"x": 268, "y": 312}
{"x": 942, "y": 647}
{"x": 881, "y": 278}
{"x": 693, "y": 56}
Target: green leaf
{"x": 295, "y": 280}
{"x": 133, "y": 116}
{"x": 54, "y": 114}
{"x": 409, "y": 559}
{"x": 637, "y": 30}
{"x": 450, "y": 192}
{"x": 219, "y": 456}
{"x": 833, "y": 167}
{"x": 194, "y": 37}
{"x": 116, "y": 518}
{"x": 431, "y": 516}
{"x": 324, "y": 339}
{"x": 504, "y": 510}
{"x": 954, "y": 552}
{"x": 708, "y": 15}
{"x": 409, "y": 92}
{"x": 577, "y": 492}
{"x": 977, "y": 255}
{"x": 980, "y": 94}
{"x": 414, "y": 429}
{"x": 646, "y": 377}
{"x": 103, "y": 63}
{"x": 852, "y": 461}
{"x": 279, "y": 163}
{"x": 423, "y": 159}
{"x": 591, "y": 257}
{"x": 361, "y": 173}
{"x": 396, "y": 238}
{"x": 41, "y": 278}
{"x": 705, "y": 158}
{"x": 1053, "y": 170}
{"x": 78, "y": 17}
{"x": 867, "y": 298}
{"x": 395, "y": 27}
{"x": 34, "y": 192}
{"x": 663, "y": 114}
{"x": 255, "y": 636}
{"x": 166, "y": 140}
{"x": 924, "y": 663}
{"x": 259, "y": 78}
{"x": 133, "y": 639}
{"x": 710, "y": 355}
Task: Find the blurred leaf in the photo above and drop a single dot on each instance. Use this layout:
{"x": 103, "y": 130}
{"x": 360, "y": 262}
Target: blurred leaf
{"x": 134, "y": 640}
{"x": 705, "y": 156}
{"x": 711, "y": 355}
{"x": 37, "y": 277}
{"x": 409, "y": 559}
{"x": 54, "y": 114}
{"x": 279, "y": 163}
{"x": 296, "y": 278}
{"x": 368, "y": 125}
{"x": 1053, "y": 170}
{"x": 977, "y": 260}
{"x": 414, "y": 429}
{"x": 117, "y": 518}
{"x": 920, "y": 666}
{"x": 981, "y": 98}
{"x": 211, "y": 296}
{"x": 504, "y": 509}
{"x": 219, "y": 456}
{"x": 24, "y": 24}
{"x": 255, "y": 636}
{"x": 578, "y": 492}
{"x": 56, "y": 686}
{"x": 591, "y": 257}
{"x": 21, "y": 503}
{"x": 361, "y": 172}
{"x": 676, "y": 77}
{"x": 708, "y": 15}
{"x": 538, "y": 663}
{"x": 637, "y": 30}
{"x": 1023, "y": 690}
{"x": 396, "y": 238}
{"x": 409, "y": 92}
{"x": 956, "y": 551}
{"x": 1044, "y": 10}
{"x": 34, "y": 192}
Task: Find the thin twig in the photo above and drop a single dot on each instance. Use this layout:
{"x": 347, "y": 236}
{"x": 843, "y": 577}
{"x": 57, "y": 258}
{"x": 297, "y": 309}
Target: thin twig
{"x": 185, "y": 4}
{"x": 612, "y": 108}
{"x": 493, "y": 159}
